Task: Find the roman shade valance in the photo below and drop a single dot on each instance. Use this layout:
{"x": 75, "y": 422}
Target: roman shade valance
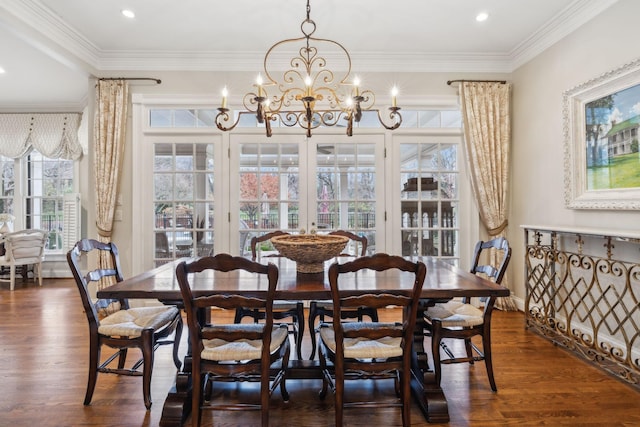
{"x": 54, "y": 135}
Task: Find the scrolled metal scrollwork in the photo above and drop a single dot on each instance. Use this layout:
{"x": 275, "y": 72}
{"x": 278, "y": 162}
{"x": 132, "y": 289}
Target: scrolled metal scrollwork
{"x": 587, "y": 303}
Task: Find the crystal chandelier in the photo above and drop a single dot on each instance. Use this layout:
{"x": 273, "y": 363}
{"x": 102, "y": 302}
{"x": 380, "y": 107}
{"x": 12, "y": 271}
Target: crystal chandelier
{"x": 308, "y": 94}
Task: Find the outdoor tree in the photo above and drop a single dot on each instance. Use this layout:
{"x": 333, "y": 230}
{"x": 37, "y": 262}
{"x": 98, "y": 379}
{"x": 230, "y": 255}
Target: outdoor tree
{"x": 597, "y": 116}
{"x": 254, "y": 189}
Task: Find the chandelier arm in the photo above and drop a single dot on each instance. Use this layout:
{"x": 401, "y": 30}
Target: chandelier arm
{"x": 223, "y": 117}
{"x": 394, "y": 115}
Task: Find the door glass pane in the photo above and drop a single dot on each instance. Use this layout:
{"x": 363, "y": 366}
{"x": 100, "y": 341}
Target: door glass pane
{"x": 183, "y": 200}
{"x": 269, "y": 183}
{"x": 429, "y": 199}
{"x": 345, "y": 188}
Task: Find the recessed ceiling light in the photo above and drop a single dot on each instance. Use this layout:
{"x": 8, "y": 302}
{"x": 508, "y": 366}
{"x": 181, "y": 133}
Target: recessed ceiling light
{"x": 128, "y": 13}
{"x": 482, "y": 16}
{"x": 2, "y": 70}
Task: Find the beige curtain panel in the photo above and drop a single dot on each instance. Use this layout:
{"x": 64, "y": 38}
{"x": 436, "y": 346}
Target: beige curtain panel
{"x": 109, "y": 136}
{"x": 54, "y": 135}
{"x": 487, "y": 134}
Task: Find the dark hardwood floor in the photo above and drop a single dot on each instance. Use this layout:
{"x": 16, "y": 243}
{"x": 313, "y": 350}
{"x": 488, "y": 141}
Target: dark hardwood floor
{"x": 43, "y": 370}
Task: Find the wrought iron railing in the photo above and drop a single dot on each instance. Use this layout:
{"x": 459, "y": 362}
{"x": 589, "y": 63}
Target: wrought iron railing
{"x": 583, "y": 298}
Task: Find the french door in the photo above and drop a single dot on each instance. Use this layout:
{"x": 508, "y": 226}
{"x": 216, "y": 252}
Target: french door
{"x": 306, "y": 185}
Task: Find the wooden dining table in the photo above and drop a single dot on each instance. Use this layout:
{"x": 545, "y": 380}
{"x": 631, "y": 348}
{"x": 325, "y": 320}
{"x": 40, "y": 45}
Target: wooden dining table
{"x": 443, "y": 282}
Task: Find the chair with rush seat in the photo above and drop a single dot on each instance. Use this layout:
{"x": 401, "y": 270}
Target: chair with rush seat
{"x": 233, "y": 352}
{"x": 462, "y": 320}
{"x": 370, "y": 350}
{"x": 114, "y": 324}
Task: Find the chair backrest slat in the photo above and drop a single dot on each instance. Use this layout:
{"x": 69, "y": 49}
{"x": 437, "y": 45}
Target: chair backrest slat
{"x": 380, "y": 300}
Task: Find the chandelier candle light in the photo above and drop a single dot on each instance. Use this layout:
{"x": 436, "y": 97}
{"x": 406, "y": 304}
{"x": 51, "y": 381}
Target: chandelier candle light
{"x": 308, "y": 94}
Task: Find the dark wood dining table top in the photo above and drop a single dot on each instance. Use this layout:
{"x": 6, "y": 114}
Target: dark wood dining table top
{"x": 443, "y": 281}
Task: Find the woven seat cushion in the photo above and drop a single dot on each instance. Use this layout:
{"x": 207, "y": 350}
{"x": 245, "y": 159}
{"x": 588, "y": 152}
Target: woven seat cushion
{"x": 131, "y": 322}
{"x": 244, "y": 349}
{"x": 455, "y": 313}
{"x": 363, "y": 348}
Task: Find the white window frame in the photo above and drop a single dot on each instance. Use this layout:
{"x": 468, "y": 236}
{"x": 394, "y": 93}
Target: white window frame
{"x": 71, "y": 224}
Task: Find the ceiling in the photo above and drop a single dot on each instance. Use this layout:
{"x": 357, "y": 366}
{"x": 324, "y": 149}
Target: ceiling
{"x": 49, "y": 48}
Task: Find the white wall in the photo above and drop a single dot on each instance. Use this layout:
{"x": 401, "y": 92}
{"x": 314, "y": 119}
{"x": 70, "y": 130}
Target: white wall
{"x": 605, "y": 43}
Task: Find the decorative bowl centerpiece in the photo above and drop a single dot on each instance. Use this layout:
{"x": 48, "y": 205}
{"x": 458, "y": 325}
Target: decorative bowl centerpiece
{"x": 309, "y": 251}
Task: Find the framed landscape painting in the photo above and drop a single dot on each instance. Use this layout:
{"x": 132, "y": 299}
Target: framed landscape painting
{"x": 601, "y": 133}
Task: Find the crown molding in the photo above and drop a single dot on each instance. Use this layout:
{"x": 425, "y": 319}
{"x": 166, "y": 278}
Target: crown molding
{"x": 50, "y": 33}
{"x": 252, "y": 61}
{"x": 570, "y": 19}
{"x": 33, "y": 14}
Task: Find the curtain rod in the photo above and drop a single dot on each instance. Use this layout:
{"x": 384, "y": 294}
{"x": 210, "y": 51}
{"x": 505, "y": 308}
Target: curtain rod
{"x": 158, "y": 81}
{"x": 449, "y": 82}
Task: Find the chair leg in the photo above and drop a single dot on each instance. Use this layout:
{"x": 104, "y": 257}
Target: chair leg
{"x": 285, "y": 355}
{"x": 37, "y": 269}
{"x": 12, "y": 277}
{"x": 339, "y": 396}
{"x": 196, "y": 390}
{"x": 488, "y": 359}
{"x": 299, "y": 330}
{"x": 94, "y": 361}
{"x": 436, "y": 337}
{"x": 122, "y": 358}
{"x": 264, "y": 396}
{"x": 406, "y": 395}
{"x": 313, "y": 313}
{"x": 176, "y": 342}
{"x": 239, "y": 314}
{"x": 467, "y": 346}
{"x": 147, "y": 368}
{"x": 323, "y": 366}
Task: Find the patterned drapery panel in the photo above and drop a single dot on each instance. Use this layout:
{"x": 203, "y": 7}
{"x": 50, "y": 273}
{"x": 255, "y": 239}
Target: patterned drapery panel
{"x": 487, "y": 135}
{"x": 109, "y": 138}
{"x": 54, "y": 135}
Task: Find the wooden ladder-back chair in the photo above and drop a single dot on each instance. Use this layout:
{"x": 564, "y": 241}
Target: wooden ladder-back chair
{"x": 322, "y": 309}
{"x": 462, "y": 320}
{"x": 233, "y": 352}
{"x": 281, "y": 309}
{"x": 23, "y": 248}
{"x": 370, "y": 350}
{"x": 114, "y": 324}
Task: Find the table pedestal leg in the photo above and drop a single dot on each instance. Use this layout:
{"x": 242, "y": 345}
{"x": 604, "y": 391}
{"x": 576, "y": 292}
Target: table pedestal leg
{"x": 177, "y": 406}
{"x": 429, "y": 395}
